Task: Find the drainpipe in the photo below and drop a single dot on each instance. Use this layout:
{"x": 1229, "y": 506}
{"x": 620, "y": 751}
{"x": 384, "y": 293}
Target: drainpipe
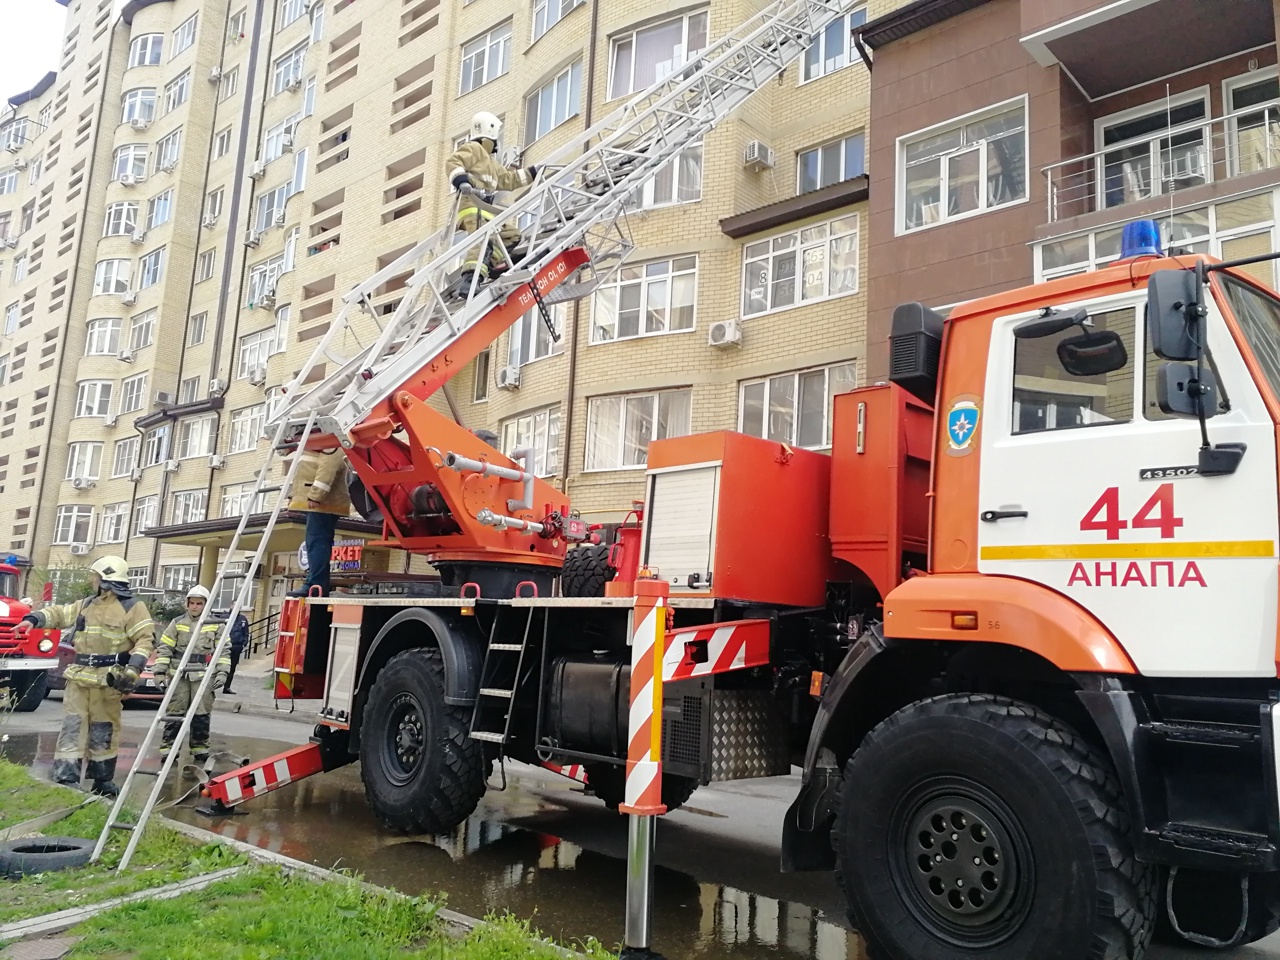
{"x": 863, "y": 52}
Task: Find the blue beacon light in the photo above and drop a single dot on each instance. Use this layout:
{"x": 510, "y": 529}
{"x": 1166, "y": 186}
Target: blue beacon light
{"x": 1141, "y": 238}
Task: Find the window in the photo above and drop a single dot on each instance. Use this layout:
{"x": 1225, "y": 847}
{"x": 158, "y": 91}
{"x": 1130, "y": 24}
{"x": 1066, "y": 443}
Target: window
{"x": 291, "y": 10}
{"x": 263, "y": 276}
{"x": 282, "y": 329}
{"x": 142, "y": 330}
{"x": 6, "y": 220}
{"x": 133, "y": 393}
{"x": 255, "y": 349}
{"x": 115, "y": 523}
{"x": 14, "y": 134}
{"x": 121, "y": 220}
{"x": 28, "y": 216}
{"x": 146, "y": 50}
{"x": 273, "y": 145}
{"x": 4, "y": 367}
{"x": 832, "y": 49}
{"x": 112, "y": 276}
{"x": 34, "y": 169}
{"x": 195, "y": 437}
{"x": 965, "y": 168}
{"x": 189, "y": 506}
{"x": 222, "y": 143}
{"x": 179, "y": 576}
{"x": 480, "y": 389}
{"x": 213, "y": 203}
{"x": 167, "y": 151}
{"x": 1141, "y": 161}
{"x": 235, "y": 26}
{"x": 189, "y": 390}
{"x": 139, "y": 576}
{"x": 619, "y": 429}
{"x": 195, "y": 329}
{"x": 679, "y": 180}
{"x": 177, "y": 91}
{"x": 1256, "y": 135}
{"x": 1047, "y": 397}
{"x": 139, "y": 104}
{"x": 247, "y": 425}
{"x": 19, "y": 268}
{"x": 646, "y": 299}
{"x": 288, "y": 68}
{"x": 238, "y": 498}
{"x": 184, "y": 36}
{"x": 155, "y": 446}
{"x": 531, "y": 340}
{"x": 547, "y": 13}
{"x": 299, "y": 181}
{"x": 794, "y": 408}
{"x": 84, "y": 460}
{"x": 829, "y": 255}
{"x": 73, "y": 524}
{"x": 130, "y": 160}
{"x": 228, "y": 83}
{"x": 1259, "y": 318}
{"x": 102, "y": 337}
{"x": 126, "y": 455}
{"x": 151, "y": 268}
{"x": 553, "y": 103}
{"x": 539, "y": 430}
{"x": 12, "y": 316}
{"x": 486, "y": 58}
{"x": 646, "y": 56}
{"x": 204, "y": 270}
{"x": 93, "y": 398}
{"x": 8, "y": 182}
{"x": 146, "y": 513}
{"x": 830, "y": 163}
{"x": 159, "y": 210}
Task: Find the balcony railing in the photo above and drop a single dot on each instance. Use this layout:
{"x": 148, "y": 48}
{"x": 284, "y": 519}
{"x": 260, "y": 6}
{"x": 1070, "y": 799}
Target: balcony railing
{"x": 1181, "y": 157}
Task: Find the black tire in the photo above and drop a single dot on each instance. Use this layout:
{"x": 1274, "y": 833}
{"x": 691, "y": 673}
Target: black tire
{"x": 29, "y": 689}
{"x": 586, "y": 570}
{"x": 1037, "y": 808}
{"x": 609, "y": 782}
{"x": 1208, "y": 902}
{"x": 22, "y": 858}
{"x": 422, "y": 772}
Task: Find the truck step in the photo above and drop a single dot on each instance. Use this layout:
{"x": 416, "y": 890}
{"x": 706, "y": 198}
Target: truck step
{"x": 512, "y": 647}
{"x": 496, "y": 692}
{"x": 487, "y": 737}
{"x": 1193, "y": 837}
{"x": 1204, "y": 733}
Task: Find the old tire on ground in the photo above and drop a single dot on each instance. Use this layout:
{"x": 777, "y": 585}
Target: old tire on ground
{"x": 972, "y": 826}
{"x": 609, "y": 781}
{"x": 29, "y": 689}
{"x": 22, "y": 858}
{"x": 586, "y": 570}
{"x": 422, "y": 773}
{"x": 1208, "y": 902}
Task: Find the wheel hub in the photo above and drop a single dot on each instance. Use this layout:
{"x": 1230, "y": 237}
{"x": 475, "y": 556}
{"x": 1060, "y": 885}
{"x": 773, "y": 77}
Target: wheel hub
{"x": 406, "y": 738}
{"x": 960, "y": 859}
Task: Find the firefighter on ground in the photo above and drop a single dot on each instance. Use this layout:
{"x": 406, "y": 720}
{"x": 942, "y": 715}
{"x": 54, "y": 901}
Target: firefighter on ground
{"x": 113, "y": 639}
{"x": 177, "y": 636}
{"x": 474, "y": 171}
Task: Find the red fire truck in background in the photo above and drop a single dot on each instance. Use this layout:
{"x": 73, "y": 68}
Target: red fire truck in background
{"x": 26, "y": 664}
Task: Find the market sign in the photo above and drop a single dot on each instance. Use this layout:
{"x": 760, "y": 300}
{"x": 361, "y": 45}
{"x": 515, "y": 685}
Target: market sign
{"x": 346, "y": 554}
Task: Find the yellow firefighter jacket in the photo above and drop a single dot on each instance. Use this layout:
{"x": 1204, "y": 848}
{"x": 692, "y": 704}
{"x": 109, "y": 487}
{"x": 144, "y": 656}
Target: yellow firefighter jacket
{"x": 322, "y": 477}
{"x": 109, "y": 626}
{"x": 483, "y": 169}
{"x": 177, "y": 637}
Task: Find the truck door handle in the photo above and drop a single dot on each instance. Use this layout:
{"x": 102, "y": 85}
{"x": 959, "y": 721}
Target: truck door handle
{"x": 991, "y": 516}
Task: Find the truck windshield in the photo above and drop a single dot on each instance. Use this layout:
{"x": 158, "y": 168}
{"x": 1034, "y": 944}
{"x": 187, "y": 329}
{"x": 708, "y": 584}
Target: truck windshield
{"x": 8, "y": 585}
{"x": 1259, "y": 319}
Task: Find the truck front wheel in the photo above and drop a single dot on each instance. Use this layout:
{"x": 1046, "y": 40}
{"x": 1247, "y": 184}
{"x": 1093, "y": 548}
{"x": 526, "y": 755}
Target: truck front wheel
{"x": 973, "y": 826}
{"x": 422, "y": 772}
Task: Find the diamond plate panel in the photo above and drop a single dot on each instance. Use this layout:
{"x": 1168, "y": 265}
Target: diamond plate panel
{"x": 748, "y": 737}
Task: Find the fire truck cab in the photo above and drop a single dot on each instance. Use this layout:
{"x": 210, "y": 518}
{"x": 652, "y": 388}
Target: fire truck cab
{"x": 26, "y": 664}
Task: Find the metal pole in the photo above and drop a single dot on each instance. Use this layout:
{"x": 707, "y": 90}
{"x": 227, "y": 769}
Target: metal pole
{"x": 641, "y": 835}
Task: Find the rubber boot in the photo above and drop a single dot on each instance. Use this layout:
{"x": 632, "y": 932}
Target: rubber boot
{"x": 66, "y": 772}
{"x": 459, "y": 289}
{"x": 105, "y": 788}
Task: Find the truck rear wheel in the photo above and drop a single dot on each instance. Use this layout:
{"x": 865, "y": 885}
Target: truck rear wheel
{"x": 422, "y": 772}
{"x": 586, "y": 570}
{"x": 972, "y": 826}
{"x": 29, "y": 689}
{"x": 609, "y": 781}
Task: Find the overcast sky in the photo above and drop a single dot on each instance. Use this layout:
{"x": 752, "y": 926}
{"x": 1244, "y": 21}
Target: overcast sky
{"x": 29, "y": 43}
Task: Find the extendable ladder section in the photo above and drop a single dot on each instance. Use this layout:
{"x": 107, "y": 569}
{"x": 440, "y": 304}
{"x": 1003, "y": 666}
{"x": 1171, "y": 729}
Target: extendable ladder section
{"x": 146, "y": 749}
{"x": 578, "y": 202}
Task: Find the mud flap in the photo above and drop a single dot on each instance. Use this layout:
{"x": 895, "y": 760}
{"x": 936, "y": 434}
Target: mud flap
{"x": 806, "y": 831}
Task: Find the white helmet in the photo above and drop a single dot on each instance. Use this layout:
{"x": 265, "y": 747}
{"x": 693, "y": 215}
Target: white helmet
{"x": 114, "y": 569}
{"x": 486, "y": 126}
{"x": 198, "y": 591}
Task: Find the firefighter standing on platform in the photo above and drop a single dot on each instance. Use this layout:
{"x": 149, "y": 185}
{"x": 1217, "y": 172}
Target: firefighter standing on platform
{"x": 113, "y": 639}
{"x": 474, "y": 171}
{"x": 177, "y": 636}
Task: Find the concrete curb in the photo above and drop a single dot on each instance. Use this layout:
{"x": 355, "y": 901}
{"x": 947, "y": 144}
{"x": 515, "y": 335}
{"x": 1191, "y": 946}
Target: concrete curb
{"x": 306, "y": 711}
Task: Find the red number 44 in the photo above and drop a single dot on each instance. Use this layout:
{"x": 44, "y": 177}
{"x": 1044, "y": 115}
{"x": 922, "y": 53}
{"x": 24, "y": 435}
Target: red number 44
{"x": 1156, "y": 514}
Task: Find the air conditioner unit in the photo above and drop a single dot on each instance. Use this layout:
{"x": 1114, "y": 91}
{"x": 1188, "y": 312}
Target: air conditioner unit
{"x": 217, "y": 387}
{"x": 266, "y": 300}
{"x": 20, "y": 164}
{"x": 79, "y": 549}
{"x": 252, "y": 238}
{"x": 286, "y": 143}
{"x": 130, "y": 298}
{"x": 257, "y": 376}
{"x": 136, "y": 474}
{"x": 127, "y": 179}
{"x": 82, "y": 483}
{"x": 758, "y": 156}
{"x": 111, "y": 419}
{"x": 216, "y": 462}
{"x": 509, "y": 378}
{"x": 125, "y": 355}
{"x": 169, "y": 166}
{"x": 725, "y": 333}
{"x": 14, "y": 147}
{"x": 208, "y": 220}
{"x": 138, "y": 236}
{"x": 163, "y": 398}
{"x": 278, "y": 219}
{"x": 10, "y": 242}
{"x": 294, "y": 85}
{"x": 139, "y": 124}
{"x": 171, "y": 466}
{"x": 215, "y": 74}
{"x": 258, "y": 169}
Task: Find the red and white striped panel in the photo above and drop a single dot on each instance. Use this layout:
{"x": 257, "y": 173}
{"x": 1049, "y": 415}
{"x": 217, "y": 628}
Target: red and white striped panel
{"x": 265, "y": 775}
{"x": 644, "y": 745}
{"x": 719, "y": 648}
{"x": 574, "y": 771}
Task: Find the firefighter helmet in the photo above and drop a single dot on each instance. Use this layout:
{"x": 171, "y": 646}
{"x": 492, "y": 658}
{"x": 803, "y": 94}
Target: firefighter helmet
{"x": 198, "y": 592}
{"x": 113, "y": 569}
{"x": 485, "y": 126}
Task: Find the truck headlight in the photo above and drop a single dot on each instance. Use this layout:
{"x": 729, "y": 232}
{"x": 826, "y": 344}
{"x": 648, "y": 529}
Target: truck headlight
{"x": 45, "y": 645}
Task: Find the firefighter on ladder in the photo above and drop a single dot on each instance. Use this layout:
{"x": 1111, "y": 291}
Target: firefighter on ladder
{"x": 475, "y": 172}
{"x": 177, "y": 636}
{"x": 113, "y": 639}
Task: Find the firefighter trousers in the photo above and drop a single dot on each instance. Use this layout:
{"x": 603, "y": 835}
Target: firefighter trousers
{"x": 184, "y": 690}
{"x": 90, "y": 729}
{"x": 470, "y": 219}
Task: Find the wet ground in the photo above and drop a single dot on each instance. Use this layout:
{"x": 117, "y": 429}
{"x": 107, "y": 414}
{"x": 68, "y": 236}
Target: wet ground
{"x": 543, "y": 849}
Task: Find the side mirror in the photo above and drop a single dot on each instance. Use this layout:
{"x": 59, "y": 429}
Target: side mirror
{"x": 1092, "y": 353}
{"x": 1055, "y": 321}
{"x": 1172, "y": 322}
{"x": 1180, "y": 394}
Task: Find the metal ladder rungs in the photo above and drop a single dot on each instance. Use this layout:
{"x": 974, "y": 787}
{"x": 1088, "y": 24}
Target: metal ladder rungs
{"x": 487, "y": 737}
{"x": 122, "y": 826}
{"x": 496, "y": 692}
{"x": 513, "y": 647}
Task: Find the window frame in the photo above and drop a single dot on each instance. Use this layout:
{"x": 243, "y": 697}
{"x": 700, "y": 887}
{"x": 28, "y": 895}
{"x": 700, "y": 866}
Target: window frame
{"x": 161, "y": 205}
{"x": 646, "y": 281}
{"x": 563, "y": 9}
{"x": 129, "y": 387}
{"x": 129, "y": 153}
{"x": 184, "y": 35}
{"x": 146, "y": 40}
{"x": 530, "y": 326}
{"x": 487, "y": 41}
{"x": 819, "y": 43}
{"x": 572, "y": 75}
{"x": 844, "y": 157}
{"x": 193, "y": 327}
{"x": 96, "y": 333}
{"x": 84, "y": 460}
{"x": 146, "y": 514}
{"x": 592, "y": 427}
{"x": 78, "y": 513}
{"x": 288, "y": 67}
{"x": 126, "y": 449}
{"x": 243, "y": 435}
{"x": 552, "y": 412}
{"x": 616, "y": 41}
{"x": 796, "y": 400}
{"x": 114, "y": 515}
{"x": 139, "y": 107}
{"x": 177, "y": 91}
{"x": 196, "y": 437}
{"x": 142, "y": 329}
{"x": 168, "y": 150}
{"x": 121, "y": 218}
{"x": 93, "y": 398}
{"x": 152, "y": 261}
{"x": 798, "y": 249}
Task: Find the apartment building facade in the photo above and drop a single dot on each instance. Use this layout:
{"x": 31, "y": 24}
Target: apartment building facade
{"x": 251, "y": 162}
{"x": 1011, "y": 140}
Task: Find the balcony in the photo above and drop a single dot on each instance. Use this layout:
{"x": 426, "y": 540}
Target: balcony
{"x": 1174, "y": 160}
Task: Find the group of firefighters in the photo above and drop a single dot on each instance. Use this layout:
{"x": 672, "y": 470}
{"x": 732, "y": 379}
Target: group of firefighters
{"x": 114, "y": 632}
